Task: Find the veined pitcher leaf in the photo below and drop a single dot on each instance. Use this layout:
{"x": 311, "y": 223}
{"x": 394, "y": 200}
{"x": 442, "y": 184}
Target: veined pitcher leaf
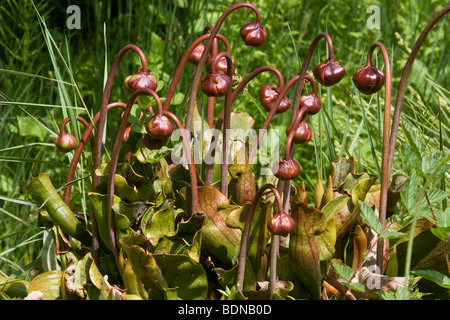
{"x": 218, "y": 239}
{"x": 44, "y": 194}
{"x": 304, "y": 250}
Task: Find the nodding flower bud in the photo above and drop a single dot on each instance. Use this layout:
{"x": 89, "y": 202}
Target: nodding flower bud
{"x": 288, "y": 169}
{"x": 369, "y": 79}
{"x": 303, "y": 133}
{"x": 311, "y": 102}
{"x": 159, "y": 127}
{"x": 281, "y": 224}
{"x": 216, "y": 84}
{"x": 253, "y": 34}
{"x": 141, "y": 80}
{"x": 196, "y": 54}
{"x": 268, "y": 94}
{"x": 66, "y": 142}
{"x": 329, "y": 72}
{"x": 222, "y": 65}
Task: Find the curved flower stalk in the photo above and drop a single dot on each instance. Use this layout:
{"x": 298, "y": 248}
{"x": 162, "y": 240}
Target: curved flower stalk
{"x": 114, "y": 161}
{"x": 76, "y": 157}
{"x": 271, "y": 114}
{"x": 404, "y": 80}
{"x": 182, "y": 63}
{"x": 113, "y": 164}
{"x": 103, "y": 107}
{"x": 335, "y": 73}
{"x": 234, "y": 94}
{"x": 65, "y": 141}
{"x": 226, "y": 121}
{"x": 201, "y": 63}
{"x": 385, "y": 149}
{"x": 244, "y": 240}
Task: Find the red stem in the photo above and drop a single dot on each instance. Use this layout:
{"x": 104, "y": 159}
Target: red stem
{"x": 103, "y": 108}
{"x": 184, "y": 59}
{"x": 192, "y": 170}
{"x": 76, "y": 157}
{"x": 235, "y": 93}
{"x": 245, "y": 233}
{"x": 113, "y": 167}
{"x": 385, "y": 150}
{"x": 404, "y": 80}
{"x": 201, "y": 63}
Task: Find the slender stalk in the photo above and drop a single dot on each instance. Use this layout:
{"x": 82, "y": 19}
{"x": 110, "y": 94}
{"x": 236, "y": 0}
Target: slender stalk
{"x": 385, "y": 149}
{"x": 192, "y": 170}
{"x": 270, "y": 116}
{"x": 103, "y": 107}
{"x": 113, "y": 167}
{"x": 78, "y": 151}
{"x": 245, "y": 233}
{"x": 235, "y": 93}
{"x": 306, "y": 61}
{"x": 226, "y": 123}
{"x": 404, "y": 80}
{"x": 298, "y": 94}
{"x": 201, "y": 63}
{"x": 182, "y": 64}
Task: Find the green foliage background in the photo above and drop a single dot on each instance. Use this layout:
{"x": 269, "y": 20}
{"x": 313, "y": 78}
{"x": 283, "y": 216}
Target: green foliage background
{"x": 42, "y": 82}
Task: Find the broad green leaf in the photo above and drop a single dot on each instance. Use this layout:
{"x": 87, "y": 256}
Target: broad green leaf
{"x": 163, "y": 222}
{"x": 435, "y": 276}
{"x": 369, "y": 216}
{"x": 184, "y": 274}
{"x": 343, "y": 270}
{"x": 49, "y": 283}
{"x": 144, "y": 265}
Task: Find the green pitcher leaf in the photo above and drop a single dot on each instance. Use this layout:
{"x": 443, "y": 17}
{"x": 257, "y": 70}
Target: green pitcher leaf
{"x": 45, "y": 195}
{"x": 163, "y": 222}
{"x": 258, "y": 236}
{"x": 49, "y": 283}
{"x": 121, "y": 221}
{"x": 184, "y": 274}
{"x": 304, "y": 251}
{"x": 218, "y": 239}
{"x": 341, "y": 168}
{"x": 144, "y": 265}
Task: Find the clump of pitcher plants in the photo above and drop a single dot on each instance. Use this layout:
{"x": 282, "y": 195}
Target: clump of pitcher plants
{"x": 156, "y": 227}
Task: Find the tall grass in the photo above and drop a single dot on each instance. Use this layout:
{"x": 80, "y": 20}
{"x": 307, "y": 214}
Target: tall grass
{"x": 48, "y": 72}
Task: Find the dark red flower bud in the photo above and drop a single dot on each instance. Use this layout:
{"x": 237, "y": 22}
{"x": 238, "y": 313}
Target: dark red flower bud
{"x": 268, "y": 94}
{"x": 141, "y": 80}
{"x": 329, "y": 72}
{"x": 253, "y": 34}
{"x": 66, "y": 142}
{"x": 369, "y": 79}
{"x": 222, "y": 65}
{"x": 281, "y": 224}
{"x": 216, "y": 84}
{"x": 196, "y": 54}
{"x": 303, "y": 133}
{"x": 286, "y": 169}
{"x": 159, "y": 127}
{"x": 153, "y": 144}
{"x": 311, "y": 102}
